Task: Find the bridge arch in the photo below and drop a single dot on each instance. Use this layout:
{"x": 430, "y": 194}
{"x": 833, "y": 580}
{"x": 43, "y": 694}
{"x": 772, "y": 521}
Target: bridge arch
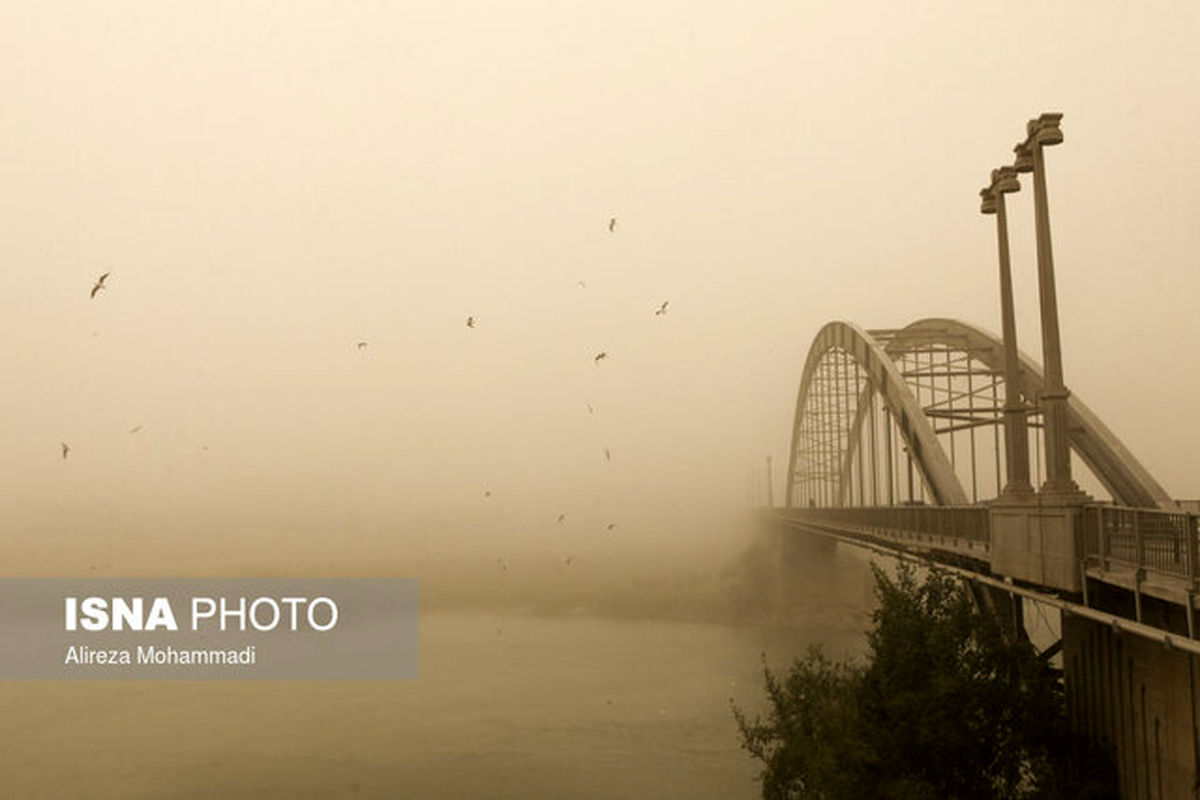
{"x": 848, "y": 366}
{"x": 839, "y": 342}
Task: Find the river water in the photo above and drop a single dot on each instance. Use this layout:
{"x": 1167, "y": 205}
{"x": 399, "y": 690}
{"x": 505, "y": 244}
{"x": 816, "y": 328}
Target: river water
{"x": 505, "y": 706}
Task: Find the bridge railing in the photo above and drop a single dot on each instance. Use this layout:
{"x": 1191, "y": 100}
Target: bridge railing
{"x": 959, "y": 522}
{"x": 1144, "y": 539}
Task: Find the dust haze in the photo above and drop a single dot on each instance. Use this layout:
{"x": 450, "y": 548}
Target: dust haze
{"x": 271, "y": 185}
{"x": 300, "y": 205}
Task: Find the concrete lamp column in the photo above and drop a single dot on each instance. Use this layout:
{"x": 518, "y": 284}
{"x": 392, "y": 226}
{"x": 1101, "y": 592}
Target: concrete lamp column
{"x": 1016, "y": 437}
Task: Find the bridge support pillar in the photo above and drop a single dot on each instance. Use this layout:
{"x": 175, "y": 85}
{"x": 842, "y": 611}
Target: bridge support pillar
{"x": 1036, "y": 542}
{"x": 1006, "y": 608}
{"x": 806, "y": 569}
{"x": 1135, "y": 701}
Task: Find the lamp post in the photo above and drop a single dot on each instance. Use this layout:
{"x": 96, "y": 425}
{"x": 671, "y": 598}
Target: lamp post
{"x": 1016, "y": 439}
{"x": 1042, "y": 132}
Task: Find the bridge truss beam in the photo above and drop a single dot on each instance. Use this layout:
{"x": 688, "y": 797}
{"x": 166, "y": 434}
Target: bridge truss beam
{"x": 887, "y": 417}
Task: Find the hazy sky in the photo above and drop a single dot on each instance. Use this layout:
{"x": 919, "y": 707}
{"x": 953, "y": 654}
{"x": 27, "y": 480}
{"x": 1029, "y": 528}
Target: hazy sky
{"x": 271, "y": 182}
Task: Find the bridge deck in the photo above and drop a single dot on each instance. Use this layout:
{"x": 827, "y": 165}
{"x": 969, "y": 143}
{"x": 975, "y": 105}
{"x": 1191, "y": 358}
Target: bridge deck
{"x": 901, "y": 528}
{"x": 1145, "y": 551}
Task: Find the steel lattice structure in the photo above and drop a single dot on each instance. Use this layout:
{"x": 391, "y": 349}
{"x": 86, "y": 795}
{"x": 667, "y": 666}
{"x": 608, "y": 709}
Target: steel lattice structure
{"x": 913, "y": 416}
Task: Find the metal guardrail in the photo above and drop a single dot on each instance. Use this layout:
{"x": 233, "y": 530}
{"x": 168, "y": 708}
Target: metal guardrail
{"x": 960, "y": 522}
{"x": 1155, "y": 541}
{"x": 1146, "y": 540}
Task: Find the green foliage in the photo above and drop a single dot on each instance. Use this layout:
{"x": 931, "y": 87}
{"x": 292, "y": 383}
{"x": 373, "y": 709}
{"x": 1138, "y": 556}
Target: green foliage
{"x": 946, "y": 705}
{"x": 806, "y": 742}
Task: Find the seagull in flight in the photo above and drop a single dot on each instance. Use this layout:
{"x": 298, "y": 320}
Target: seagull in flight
{"x": 582, "y": 284}
{"x": 661, "y": 309}
{"x": 135, "y": 429}
{"x": 66, "y": 448}
{"x": 612, "y": 526}
{"x": 561, "y": 518}
{"x": 470, "y": 322}
{"x": 590, "y": 409}
{"x": 612, "y": 224}
{"x": 361, "y": 345}
{"x": 99, "y": 284}
{"x": 600, "y": 357}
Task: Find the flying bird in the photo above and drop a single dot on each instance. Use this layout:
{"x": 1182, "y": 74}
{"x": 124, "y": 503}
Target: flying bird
{"x": 135, "y": 429}
{"x": 66, "y": 448}
{"x": 99, "y": 284}
{"x": 612, "y": 526}
{"x": 582, "y": 284}
{"x": 661, "y": 309}
{"x": 567, "y": 561}
{"x": 487, "y": 493}
{"x": 470, "y": 322}
{"x": 361, "y": 345}
{"x": 561, "y": 518}
{"x": 612, "y": 224}
{"x": 590, "y": 409}
{"x": 600, "y": 357}
{"x": 607, "y": 455}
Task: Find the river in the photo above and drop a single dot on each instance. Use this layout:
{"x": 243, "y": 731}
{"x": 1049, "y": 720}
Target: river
{"x": 505, "y": 706}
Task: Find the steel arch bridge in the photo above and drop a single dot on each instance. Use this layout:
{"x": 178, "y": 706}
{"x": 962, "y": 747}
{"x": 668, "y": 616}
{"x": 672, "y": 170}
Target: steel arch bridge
{"x": 897, "y": 447}
{"x": 913, "y": 416}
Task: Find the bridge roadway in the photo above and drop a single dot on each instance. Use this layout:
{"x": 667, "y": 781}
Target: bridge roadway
{"x": 1146, "y": 552}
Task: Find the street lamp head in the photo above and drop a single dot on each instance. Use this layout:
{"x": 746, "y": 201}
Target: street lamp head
{"x": 1004, "y": 180}
{"x": 1024, "y": 162}
{"x": 1045, "y": 129}
{"x": 987, "y": 204}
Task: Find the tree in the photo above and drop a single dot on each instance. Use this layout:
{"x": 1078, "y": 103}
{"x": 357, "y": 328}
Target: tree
{"x": 945, "y": 705}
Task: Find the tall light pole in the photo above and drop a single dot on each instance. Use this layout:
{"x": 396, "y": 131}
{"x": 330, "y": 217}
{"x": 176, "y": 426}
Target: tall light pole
{"x": 1042, "y": 132}
{"x": 1016, "y": 439}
